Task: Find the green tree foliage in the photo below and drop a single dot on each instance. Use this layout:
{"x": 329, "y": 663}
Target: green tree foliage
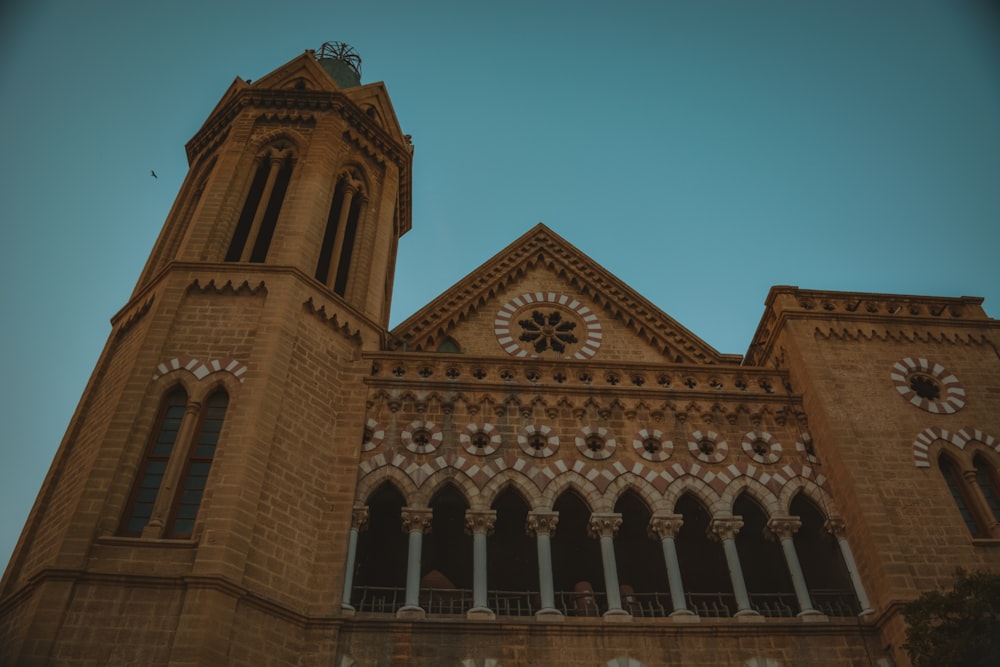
{"x": 957, "y": 628}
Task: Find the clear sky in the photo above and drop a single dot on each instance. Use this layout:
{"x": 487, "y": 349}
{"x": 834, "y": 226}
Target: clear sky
{"x": 700, "y": 150}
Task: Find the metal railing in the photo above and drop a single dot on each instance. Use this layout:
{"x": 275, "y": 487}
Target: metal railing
{"x": 440, "y": 601}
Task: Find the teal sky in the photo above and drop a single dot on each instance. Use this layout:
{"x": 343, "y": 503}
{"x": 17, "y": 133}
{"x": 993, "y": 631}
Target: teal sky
{"x": 702, "y": 151}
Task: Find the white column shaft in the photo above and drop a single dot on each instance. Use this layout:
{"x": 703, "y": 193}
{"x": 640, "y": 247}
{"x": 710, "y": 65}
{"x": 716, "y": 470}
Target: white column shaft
{"x": 479, "y": 570}
{"x": 673, "y": 574}
{"x": 736, "y": 575}
{"x": 352, "y": 548}
{"x": 610, "y": 572}
{"x": 413, "y": 568}
{"x": 798, "y": 579}
{"x": 545, "y": 571}
{"x": 852, "y": 569}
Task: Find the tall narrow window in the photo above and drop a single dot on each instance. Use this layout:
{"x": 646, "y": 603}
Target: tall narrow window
{"x": 199, "y": 462}
{"x": 259, "y": 217}
{"x": 958, "y": 492}
{"x": 986, "y": 478}
{"x": 154, "y": 465}
{"x": 342, "y": 222}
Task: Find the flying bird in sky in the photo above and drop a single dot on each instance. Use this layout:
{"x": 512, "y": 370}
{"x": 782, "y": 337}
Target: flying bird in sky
{"x": 153, "y": 173}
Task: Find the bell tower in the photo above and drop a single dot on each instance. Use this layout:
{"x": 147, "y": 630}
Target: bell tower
{"x": 196, "y": 509}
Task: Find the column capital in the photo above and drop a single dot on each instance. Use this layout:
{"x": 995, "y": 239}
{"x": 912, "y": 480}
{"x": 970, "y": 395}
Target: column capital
{"x": 480, "y": 521}
{"x": 784, "y": 527}
{"x": 665, "y": 525}
{"x": 541, "y": 523}
{"x": 359, "y": 517}
{"x": 192, "y": 407}
{"x": 725, "y": 529}
{"x": 835, "y": 526}
{"x": 604, "y": 524}
{"x": 417, "y": 519}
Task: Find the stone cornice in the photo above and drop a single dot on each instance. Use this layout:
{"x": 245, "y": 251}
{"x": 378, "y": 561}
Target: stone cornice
{"x": 885, "y": 316}
{"x": 542, "y": 247}
{"x": 442, "y": 372}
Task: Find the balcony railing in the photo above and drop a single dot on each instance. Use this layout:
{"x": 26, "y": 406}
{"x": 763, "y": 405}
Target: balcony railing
{"x": 456, "y": 602}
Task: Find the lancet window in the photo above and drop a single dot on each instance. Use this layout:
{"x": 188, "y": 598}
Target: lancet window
{"x": 259, "y": 216}
{"x": 168, "y": 489}
{"x": 342, "y": 225}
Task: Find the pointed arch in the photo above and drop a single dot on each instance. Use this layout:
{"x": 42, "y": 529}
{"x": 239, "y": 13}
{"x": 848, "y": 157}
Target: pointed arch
{"x": 811, "y": 490}
{"x": 351, "y": 192}
{"x": 443, "y": 477}
{"x": 697, "y": 488}
{"x": 571, "y": 480}
{"x": 369, "y": 482}
{"x": 629, "y": 482}
{"x": 508, "y": 479}
{"x": 762, "y": 495}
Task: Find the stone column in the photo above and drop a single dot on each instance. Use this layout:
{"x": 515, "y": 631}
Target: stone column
{"x": 835, "y": 526}
{"x": 542, "y": 525}
{"x": 415, "y": 523}
{"x": 604, "y": 526}
{"x": 480, "y": 524}
{"x": 783, "y": 528}
{"x": 359, "y": 520}
{"x": 157, "y": 526}
{"x": 725, "y": 531}
{"x": 664, "y": 527}
{"x": 274, "y": 166}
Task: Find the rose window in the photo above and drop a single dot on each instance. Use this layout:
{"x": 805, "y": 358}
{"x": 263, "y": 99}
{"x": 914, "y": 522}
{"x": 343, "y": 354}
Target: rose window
{"x": 707, "y": 446}
{"x": 928, "y": 385}
{"x": 595, "y": 442}
{"x": 652, "y": 445}
{"x": 537, "y": 323}
{"x": 480, "y": 439}
{"x": 547, "y": 331}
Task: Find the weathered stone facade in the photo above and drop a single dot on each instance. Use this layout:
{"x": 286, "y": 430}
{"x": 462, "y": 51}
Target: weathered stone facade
{"x": 538, "y": 468}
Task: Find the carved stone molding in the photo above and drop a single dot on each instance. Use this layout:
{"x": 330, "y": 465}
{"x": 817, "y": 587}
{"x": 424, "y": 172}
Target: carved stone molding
{"x": 725, "y": 529}
{"x": 604, "y": 524}
{"x": 665, "y": 525}
{"x": 784, "y": 527}
{"x": 415, "y": 519}
{"x": 542, "y": 523}
{"x": 480, "y": 522}
{"x": 359, "y": 517}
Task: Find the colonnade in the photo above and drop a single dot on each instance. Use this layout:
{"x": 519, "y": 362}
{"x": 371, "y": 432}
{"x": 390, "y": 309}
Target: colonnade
{"x": 603, "y": 526}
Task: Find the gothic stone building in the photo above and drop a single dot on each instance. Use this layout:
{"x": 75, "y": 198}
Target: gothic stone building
{"x": 539, "y": 467}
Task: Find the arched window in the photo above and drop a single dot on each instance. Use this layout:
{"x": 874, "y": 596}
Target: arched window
{"x": 446, "y": 556}
{"x": 259, "y": 217}
{"x": 960, "y": 493}
{"x": 342, "y": 221}
{"x": 139, "y": 509}
{"x": 380, "y": 572}
{"x": 168, "y": 490}
{"x": 577, "y": 570}
{"x": 822, "y": 561}
{"x": 642, "y": 572}
{"x": 702, "y": 562}
{"x": 511, "y": 556}
{"x": 199, "y": 461}
{"x": 763, "y": 562}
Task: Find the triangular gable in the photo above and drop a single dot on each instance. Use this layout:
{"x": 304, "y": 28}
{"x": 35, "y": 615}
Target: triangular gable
{"x": 373, "y": 99}
{"x": 538, "y": 284}
{"x": 301, "y": 73}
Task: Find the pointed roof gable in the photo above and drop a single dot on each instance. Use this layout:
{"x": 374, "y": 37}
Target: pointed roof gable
{"x": 300, "y": 73}
{"x": 544, "y": 255}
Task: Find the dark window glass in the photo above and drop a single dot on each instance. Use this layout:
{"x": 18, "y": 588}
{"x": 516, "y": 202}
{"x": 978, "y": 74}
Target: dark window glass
{"x": 199, "y": 463}
{"x": 950, "y": 474}
{"x": 147, "y": 486}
